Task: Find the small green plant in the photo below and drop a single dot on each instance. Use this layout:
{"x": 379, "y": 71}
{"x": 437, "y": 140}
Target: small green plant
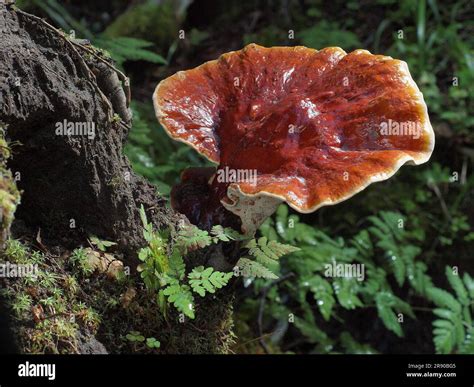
{"x": 135, "y": 337}
{"x": 207, "y": 280}
{"x": 152, "y": 343}
{"x": 453, "y": 327}
{"x": 262, "y": 261}
{"x": 164, "y": 272}
{"x": 102, "y": 245}
{"x": 16, "y": 251}
{"x": 22, "y": 304}
{"x": 80, "y": 260}
{"x": 48, "y": 279}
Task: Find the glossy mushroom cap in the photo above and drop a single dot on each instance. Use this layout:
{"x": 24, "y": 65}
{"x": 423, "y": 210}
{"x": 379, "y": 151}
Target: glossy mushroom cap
{"x": 314, "y": 127}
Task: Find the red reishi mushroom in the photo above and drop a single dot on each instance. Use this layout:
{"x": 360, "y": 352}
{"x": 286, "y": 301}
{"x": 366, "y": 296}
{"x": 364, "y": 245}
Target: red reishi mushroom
{"x": 314, "y": 127}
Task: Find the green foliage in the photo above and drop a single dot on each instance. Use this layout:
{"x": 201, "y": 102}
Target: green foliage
{"x": 385, "y": 248}
{"x": 266, "y": 255}
{"x": 436, "y": 44}
{"x": 58, "y": 13}
{"x": 16, "y": 251}
{"x": 102, "y": 245}
{"x": 328, "y": 34}
{"x": 222, "y": 234}
{"x": 453, "y": 326}
{"x": 191, "y": 238}
{"x": 80, "y": 260}
{"x": 181, "y": 297}
{"x": 164, "y": 272}
{"x": 22, "y": 304}
{"x": 123, "y": 49}
{"x": 153, "y": 343}
{"x": 323, "y": 295}
{"x": 149, "y": 20}
{"x": 207, "y": 280}
{"x": 249, "y": 268}
{"x": 135, "y": 337}
{"x": 351, "y": 346}
{"x": 386, "y": 303}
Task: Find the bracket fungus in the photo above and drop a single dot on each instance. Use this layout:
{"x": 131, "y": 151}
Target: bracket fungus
{"x": 290, "y": 124}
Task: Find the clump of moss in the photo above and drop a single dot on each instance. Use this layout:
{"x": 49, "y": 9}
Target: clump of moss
{"x": 46, "y": 306}
{"x": 68, "y": 300}
{"x": 9, "y": 194}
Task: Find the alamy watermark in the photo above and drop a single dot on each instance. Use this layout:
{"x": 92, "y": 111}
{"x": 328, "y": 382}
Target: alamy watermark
{"x": 14, "y": 270}
{"x": 404, "y": 128}
{"x": 71, "y": 128}
{"x": 345, "y": 270}
{"x": 229, "y": 175}
{"x": 28, "y": 369}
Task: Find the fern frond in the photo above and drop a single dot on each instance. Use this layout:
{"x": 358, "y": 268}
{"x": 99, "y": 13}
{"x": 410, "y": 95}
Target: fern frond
{"x": 268, "y": 253}
{"x": 467, "y": 347}
{"x": 323, "y": 295}
{"x": 124, "y": 48}
{"x": 207, "y": 280}
{"x": 250, "y": 268}
{"x": 225, "y": 234}
{"x": 191, "y": 238}
{"x": 443, "y": 299}
{"x": 181, "y": 297}
{"x": 469, "y": 282}
{"x": 387, "y": 303}
{"x": 457, "y": 285}
{"x": 443, "y": 336}
{"x": 176, "y": 265}
{"x": 147, "y": 227}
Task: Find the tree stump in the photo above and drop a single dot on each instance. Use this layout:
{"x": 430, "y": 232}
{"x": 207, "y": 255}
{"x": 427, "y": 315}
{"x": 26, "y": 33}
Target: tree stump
{"x": 75, "y": 181}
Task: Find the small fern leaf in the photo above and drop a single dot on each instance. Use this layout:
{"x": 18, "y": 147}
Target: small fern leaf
{"x": 192, "y": 238}
{"x": 207, "y": 280}
{"x": 219, "y": 279}
{"x": 442, "y": 298}
{"x": 181, "y": 297}
{"x": 444, "y": 336}
{"x": 177, "y": 266}
{"x": 469, "y": 282}
{"x": 323, "y": 295}
{"x": 467, "y": 347}
{"x": 281, "y": 249}
{"x": 250, "y": 268}
{"x": 225, "y": 234}
{"x": 457, "y": 285}
{"x": 384, "y": 302}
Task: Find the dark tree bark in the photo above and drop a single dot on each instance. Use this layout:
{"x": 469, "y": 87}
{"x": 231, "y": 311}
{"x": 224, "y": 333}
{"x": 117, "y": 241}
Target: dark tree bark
{"x": 75, "y": 186}
{"x": 67, "y": 180}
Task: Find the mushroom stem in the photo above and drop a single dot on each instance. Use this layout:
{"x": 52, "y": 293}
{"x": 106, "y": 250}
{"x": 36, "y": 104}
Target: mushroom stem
{"x": 252, "y": 210}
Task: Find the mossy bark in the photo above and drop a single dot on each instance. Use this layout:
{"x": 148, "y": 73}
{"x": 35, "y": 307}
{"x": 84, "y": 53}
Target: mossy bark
{"x": 76, "y": 186}
{"x": 9, "y": 195}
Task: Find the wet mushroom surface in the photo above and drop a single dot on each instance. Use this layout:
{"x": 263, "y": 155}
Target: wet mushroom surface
{"x": 310, "y": 127}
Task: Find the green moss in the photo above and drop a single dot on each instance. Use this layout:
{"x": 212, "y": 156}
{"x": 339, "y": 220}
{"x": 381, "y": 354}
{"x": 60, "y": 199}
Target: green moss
{"x": 50, "y": 312}
{"x": 16, "y": 251}
{"x": 9, "y": 194}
